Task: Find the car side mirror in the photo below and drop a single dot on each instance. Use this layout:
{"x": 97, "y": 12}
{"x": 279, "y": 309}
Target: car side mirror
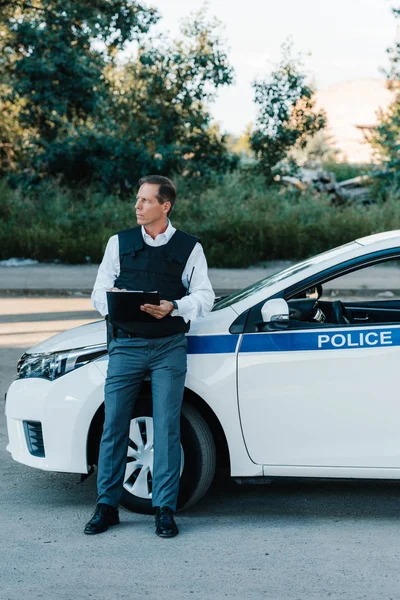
{"x": 276, "y": 313}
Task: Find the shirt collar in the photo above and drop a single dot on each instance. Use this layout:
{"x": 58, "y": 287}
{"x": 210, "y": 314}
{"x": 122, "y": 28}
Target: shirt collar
{"x": 166, "y": 235}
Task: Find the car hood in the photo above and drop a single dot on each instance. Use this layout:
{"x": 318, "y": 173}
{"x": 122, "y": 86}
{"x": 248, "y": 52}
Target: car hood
{"x": 94, "y": 334}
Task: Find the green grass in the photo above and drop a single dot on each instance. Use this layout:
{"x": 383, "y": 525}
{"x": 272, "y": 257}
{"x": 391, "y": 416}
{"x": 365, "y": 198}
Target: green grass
{"x": 239, "y": 220}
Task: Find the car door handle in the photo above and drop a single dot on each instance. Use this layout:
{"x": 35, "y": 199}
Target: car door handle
{"x": 361, "y": 318}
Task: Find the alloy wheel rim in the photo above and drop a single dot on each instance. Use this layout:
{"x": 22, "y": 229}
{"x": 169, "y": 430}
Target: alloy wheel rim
{"x": 138, "y": 477}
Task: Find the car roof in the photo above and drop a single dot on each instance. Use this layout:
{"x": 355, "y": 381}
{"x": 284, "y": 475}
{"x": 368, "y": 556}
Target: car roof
{"x": 378, "y": 237}
{"x": 301, "y": 270}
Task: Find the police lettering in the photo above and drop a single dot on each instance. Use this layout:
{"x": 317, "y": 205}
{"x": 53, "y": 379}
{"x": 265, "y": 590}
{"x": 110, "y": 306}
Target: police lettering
{"x": 355, "y": 339}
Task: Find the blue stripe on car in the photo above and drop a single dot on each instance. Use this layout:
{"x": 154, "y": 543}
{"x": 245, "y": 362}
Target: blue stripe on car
{"x": 212, "y": 344}
{"x": 343, "y": 339}
{"x": 294, "y": 341}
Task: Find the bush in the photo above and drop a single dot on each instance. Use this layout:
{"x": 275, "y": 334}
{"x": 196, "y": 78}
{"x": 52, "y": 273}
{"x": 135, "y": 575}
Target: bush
{"x": 239, "y": 220}
{"x": 242, "y": 223}
{"x": 53, "y": 224}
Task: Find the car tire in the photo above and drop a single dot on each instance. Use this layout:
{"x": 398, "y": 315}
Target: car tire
{"x": 198, "y": 460}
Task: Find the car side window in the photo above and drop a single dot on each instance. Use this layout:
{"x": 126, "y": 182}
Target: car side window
{"x": 368, "y": 295}
{"x": 371, "y": 283}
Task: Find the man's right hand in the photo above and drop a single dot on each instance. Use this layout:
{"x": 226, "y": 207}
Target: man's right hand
{"x": 117, "y": 290}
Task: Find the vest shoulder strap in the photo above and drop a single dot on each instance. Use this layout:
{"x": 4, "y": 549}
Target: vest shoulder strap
{"x": 181, "y": 245}
{"x": 130, "y": 240}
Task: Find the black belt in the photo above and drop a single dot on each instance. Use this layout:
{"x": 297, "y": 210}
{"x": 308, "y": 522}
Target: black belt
{"x": 121, "y": 333}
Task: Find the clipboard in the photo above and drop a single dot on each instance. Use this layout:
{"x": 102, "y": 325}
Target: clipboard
{"x": 124, "y": 307}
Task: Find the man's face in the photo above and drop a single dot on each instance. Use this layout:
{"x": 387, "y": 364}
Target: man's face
{"x": 148, "y": 209}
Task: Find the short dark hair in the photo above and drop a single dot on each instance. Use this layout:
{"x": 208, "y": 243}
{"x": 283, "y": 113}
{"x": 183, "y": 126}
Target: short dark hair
{"x": 166, "y": 191}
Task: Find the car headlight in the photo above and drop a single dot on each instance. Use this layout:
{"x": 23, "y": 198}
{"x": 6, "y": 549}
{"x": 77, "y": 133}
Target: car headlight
{"x": 51, "y": 365}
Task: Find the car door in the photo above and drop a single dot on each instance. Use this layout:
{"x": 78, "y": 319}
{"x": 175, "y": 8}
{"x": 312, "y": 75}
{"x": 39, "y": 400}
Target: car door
{"x": 373, "y": 312}
{"x": 321, "y": 394}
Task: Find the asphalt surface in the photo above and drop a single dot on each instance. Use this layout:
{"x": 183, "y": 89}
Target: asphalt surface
{"x": 77, "y": 280}
{"x": 291, "y": 540}
{"x": 51, "y": 279}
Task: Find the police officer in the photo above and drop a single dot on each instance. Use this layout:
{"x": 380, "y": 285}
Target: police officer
{"x": 152, "y": 256}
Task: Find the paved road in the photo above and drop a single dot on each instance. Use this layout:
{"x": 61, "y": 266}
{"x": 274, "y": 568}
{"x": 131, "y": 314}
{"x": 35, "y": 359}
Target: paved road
{"x": 64, "y": 279}
{"x": 25, "y": 322}
{"x": 288, "y": 541}
{"x": 297, "y": 540}
{"x": 61, "y": 280}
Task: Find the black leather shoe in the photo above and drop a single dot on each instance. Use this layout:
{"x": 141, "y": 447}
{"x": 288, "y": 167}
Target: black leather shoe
{"x": 103, "y": 516}
{"x": 165, "y": 524}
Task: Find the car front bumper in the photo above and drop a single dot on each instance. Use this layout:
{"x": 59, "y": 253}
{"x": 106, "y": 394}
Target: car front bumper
{"x": 48, "y": 421}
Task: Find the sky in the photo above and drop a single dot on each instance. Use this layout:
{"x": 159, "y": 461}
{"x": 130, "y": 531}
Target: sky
{"x": 343, "y": 40}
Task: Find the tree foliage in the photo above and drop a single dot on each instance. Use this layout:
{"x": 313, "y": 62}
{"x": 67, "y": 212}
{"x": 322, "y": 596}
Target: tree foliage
{"x": 385, "y": 138}
{"x": 87, "y": 118}
{"x": 166, "y": 93}
{"x": 287, "y": 116}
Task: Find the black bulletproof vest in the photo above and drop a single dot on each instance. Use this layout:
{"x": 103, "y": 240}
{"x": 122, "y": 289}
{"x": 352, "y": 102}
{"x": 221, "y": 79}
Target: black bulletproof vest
{"x": 148, "y": 268}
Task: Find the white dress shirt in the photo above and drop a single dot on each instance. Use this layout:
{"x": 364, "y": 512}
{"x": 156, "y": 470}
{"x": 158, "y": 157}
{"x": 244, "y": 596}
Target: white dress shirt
{"x": 197, "y": 303}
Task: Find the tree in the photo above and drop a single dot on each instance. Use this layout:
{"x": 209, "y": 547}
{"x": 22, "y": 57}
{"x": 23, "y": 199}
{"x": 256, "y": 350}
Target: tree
{"x": 54, "y": 56}
{"x": 240, "y": 145}
{"x": 385, "y": 138}
{"x": 287, "y": 117}
{"x": 320, "y": 148}
{"x": 93, "y": 120}
{"x": 164, "y": 95}
{"x": 52, "y": 60}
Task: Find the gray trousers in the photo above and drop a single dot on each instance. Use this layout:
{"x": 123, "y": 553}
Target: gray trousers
{"x": 130, "y": 360}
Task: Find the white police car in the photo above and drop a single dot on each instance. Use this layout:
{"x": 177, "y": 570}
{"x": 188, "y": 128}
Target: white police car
{"x": 288, "y": 377}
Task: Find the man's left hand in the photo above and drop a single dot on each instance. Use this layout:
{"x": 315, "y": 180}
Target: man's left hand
{"x": 158, "y": 311}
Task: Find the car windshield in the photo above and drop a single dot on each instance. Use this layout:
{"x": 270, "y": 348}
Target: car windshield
{"x": 271, "y": 279}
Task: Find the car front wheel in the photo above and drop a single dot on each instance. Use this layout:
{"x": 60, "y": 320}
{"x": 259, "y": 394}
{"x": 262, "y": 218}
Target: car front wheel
{"x": 198, "y": 460}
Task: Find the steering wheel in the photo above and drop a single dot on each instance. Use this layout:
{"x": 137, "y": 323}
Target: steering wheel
{"x": 340, "y": 313}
